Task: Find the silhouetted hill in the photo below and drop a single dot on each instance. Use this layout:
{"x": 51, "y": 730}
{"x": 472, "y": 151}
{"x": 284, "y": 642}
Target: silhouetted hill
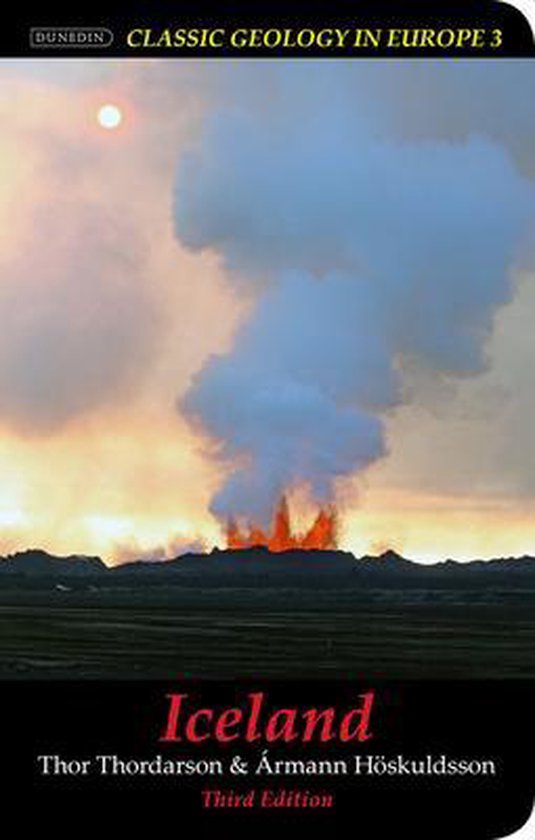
{"x": 37, "y": 562}
{"x": 258, "y": 566}
{"x": 388, "y": 561}
{"x": 254, "y": 567}
{"x": 247, "y": 567}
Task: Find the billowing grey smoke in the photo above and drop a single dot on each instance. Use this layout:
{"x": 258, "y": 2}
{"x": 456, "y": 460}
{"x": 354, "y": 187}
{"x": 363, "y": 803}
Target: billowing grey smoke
{"x": 365, "y": 252}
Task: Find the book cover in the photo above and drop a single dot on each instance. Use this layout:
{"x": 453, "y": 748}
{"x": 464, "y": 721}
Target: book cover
{"x": 267, "y": 519}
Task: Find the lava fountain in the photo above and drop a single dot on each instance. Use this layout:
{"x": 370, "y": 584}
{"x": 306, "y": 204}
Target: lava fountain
{"x": 322, "y": 534}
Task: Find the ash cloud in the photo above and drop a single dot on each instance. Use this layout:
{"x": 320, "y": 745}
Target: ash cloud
{"x": 72, "y": 334}
{"x": 79, "y": 318}
{"x": 364, "y": 251}
{"x": 131, "y": 552}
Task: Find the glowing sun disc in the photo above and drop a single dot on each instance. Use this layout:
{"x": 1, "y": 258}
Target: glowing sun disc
{"x": 109, "y": 116}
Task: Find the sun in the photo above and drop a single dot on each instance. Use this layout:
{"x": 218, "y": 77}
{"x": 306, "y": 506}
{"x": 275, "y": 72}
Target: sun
{"x": 109, "y": 116}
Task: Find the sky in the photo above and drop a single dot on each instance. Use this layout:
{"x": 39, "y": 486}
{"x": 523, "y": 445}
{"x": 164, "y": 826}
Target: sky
{"x": 306, "y": 276}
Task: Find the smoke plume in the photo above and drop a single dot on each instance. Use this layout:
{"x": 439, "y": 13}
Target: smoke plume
{"x": 362, "y": 251}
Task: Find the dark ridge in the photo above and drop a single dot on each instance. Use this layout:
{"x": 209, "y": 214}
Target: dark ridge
{"x": 331, "y": 569}
{"x": 35, "y": 561}
{"x": 260, "y": 567}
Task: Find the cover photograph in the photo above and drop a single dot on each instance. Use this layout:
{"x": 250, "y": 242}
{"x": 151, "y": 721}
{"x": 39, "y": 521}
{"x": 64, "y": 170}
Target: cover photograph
{"x": 267, "y": 496}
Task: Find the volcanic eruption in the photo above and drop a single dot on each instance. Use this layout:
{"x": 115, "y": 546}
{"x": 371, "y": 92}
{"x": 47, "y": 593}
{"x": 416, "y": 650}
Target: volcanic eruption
{"x": 321, "y": 535}
{"x": 371, "y": 264}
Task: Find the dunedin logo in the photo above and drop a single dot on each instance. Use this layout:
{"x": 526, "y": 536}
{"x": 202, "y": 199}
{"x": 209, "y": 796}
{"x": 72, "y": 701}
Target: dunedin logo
{"x": 76, "y": 37}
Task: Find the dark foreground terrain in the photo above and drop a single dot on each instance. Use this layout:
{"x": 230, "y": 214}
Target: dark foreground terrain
{"x": 253, "y": 614}
{"x": 273, "y": 633}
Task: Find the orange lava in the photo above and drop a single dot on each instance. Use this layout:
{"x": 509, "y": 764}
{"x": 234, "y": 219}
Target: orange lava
{"x": 320, "y": 535}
